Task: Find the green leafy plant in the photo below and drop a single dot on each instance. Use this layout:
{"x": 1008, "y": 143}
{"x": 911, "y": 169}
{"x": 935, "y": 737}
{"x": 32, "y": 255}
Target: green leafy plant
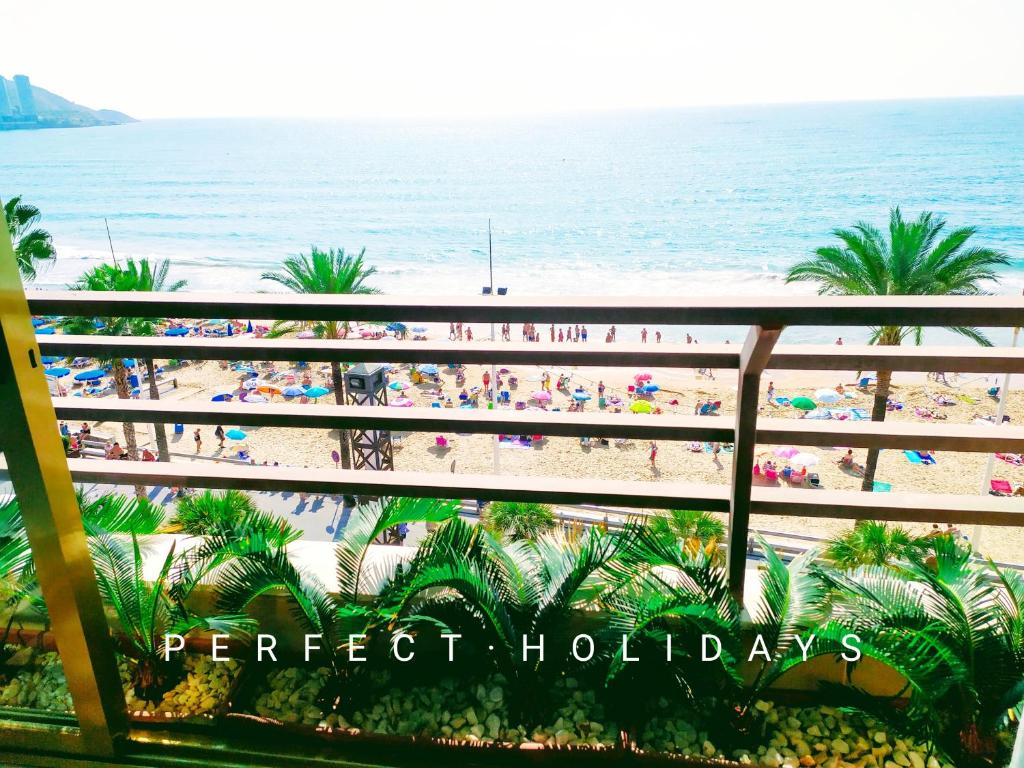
{"x": 519, "y": 520}
{"x": 33, "y": 246}
{"x": 872, "y": 542}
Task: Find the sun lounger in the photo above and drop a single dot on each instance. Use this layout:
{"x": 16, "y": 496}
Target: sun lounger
{"x": 912, "y": 457}
{"x": 97, "y": 452}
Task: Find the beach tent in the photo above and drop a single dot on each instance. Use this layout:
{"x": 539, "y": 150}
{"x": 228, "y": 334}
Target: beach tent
{"x": 827, "y": 396}
{"x": 92, "y": 375}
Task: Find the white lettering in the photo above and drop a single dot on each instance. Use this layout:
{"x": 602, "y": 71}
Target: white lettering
{"x": 704, "y": 648}
{"x": 575, "y": 648}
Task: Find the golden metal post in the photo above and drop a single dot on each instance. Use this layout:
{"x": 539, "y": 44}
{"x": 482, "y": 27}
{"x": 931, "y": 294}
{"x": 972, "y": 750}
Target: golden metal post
{"x": 39, "y": 472}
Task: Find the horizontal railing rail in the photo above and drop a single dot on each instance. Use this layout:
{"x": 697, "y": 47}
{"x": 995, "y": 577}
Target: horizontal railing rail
{"x": 854, "y": 434}
{"x": 985, "y": 311}
{"x": 785, "y": 357}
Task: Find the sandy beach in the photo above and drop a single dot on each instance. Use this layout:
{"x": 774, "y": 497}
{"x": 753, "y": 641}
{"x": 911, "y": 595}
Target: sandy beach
{"x": 680, "y": 391}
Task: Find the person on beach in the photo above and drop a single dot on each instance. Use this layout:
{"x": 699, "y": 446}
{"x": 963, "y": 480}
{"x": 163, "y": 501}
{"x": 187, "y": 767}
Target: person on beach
{"x": 147, "y": 455}
{"x": 847, "y": 462}
{"x": 451, "y": 331}
{"x": 199, "y": 440}
{"x": 545, "y": 381}
{"x": 657, "y": 337}
{"x": 561, "y": 336}
{"x": 770, "y": 395}
{"x": 839, "y": 341}
{"x": 552, "y": 331}
{"x": 469, "y": 333}
{"x": 654, "y": 455}
{"x": 689, "y": 339}
{"x": 458, "y": 331}
{"x": 85, "y": 430}
{"x": 576, "y": 334}
{"x": 219, "y": 434}
{"x": 643, "y": 336}
{"x": 568, "y": 333}
{"x": 583, "y": 334}
{"x": 487, "y": 380}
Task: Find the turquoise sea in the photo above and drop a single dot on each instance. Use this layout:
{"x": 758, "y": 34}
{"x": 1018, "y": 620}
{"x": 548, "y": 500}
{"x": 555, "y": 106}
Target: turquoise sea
{"x": 694, "y": 201}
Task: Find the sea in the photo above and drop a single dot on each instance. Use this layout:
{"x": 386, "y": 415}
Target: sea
{"x": 685, "y": 202}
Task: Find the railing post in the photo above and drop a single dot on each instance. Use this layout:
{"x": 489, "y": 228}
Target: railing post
{"x": 753, "y": 359}
{"x": 42, "y": 482}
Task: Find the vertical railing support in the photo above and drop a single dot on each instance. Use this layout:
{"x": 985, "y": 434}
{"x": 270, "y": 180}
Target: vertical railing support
{"x": 753, "y": 359}
{"x": 42, "y": 483}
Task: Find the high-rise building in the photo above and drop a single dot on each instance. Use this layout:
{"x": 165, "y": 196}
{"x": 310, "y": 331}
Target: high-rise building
{"x": 5, "y": 100}
{"x": 28, "y": 101}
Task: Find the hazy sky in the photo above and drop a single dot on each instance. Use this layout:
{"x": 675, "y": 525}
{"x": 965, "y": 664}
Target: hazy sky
{"x": 459, "y": 58}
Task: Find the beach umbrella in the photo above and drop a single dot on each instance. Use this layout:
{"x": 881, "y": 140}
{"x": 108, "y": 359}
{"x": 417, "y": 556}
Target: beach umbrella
{"x": 293, "y": 391}
{"x": 785, "y": 451}
{"x": 176, "y": 332}
{"x": 305, "y": 335}
{"x": 235, "y": 434}
{"x": 428, "y": 368}
{"x": 640, "y": 406}
{"x": 51, "y": 359}
{"x": 45, "y": 331}
{"x": 270, "y": 389}
{"x": 99, "y": 325}
{"x": 401, "y": 402}
{"x": 37, "y": 321}
{"x": 222, "y": 397}
{"x": 92, "y": 375}
{"x": 395, "y": 327}
{"x": 803, "y": 403}
{"x": 542, "y": 397}
{"x": 579, "y": 394}
{"x": 255, "y": 397}
{"x": 651, "y": 388}
{"x": 398, "y": 385}
{"x": 420, "y": 329}
{"x": 128, "y": 362}
{"x": 316, "y": 392}
{"x": 827, "y": 396}
{"x": 804, "y": 459}
{"x": 58, "y": 373}
{"x": 642, "y": 376}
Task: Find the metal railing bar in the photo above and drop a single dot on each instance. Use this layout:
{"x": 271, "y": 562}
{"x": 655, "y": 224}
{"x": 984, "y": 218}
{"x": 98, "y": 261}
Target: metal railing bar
{"x": 984, "y": 311}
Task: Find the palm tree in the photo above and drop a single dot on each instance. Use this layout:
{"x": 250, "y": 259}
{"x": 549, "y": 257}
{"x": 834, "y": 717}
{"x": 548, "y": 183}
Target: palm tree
{"x": 697, "y": 530}
{"x": 871, "y": 542}
{"x": 333, "y": 272}
{"x": 31, "y": 244}
{"x": 519, "y": 520}
{"x": 141, "y": 275}
{"x": 916, "y": 260}
{"x": 203, "y": 513}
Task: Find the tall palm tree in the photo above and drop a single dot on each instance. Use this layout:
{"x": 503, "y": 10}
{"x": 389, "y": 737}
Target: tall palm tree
{"x": 331, "y": 271}
{"x": 141, "y": 275}
{"x": 915, "y": 260}
{"x": 32, "y": 245}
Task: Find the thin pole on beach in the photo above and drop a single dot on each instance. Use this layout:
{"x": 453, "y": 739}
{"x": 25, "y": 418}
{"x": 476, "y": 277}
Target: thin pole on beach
{"x": 109, "y": 240}
{"x": 986, "y": 480}
{"x": 494, "y": 372}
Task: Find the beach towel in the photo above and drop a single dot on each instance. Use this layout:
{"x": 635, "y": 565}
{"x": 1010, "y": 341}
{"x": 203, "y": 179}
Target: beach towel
{"x": 880, "y": 487}
{"x": 966, "y": 399}
{"x": 859, "y": 414}
{"x": 912, "y": 457}
{"x": 926, "y": 458}
{"x": 1002, "y": 486}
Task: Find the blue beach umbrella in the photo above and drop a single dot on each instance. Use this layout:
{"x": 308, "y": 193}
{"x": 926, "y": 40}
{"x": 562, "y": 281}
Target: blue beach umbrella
{"x": 651, "y": 388}
{"x": 128, "y": 362}
{"x": 235, "y": 434}
{"x": 51, "y": 359}
{"x": 578, "y": 395}
{"x": 293, "y": 391}
{"x": 428, "y": 368}
{"x": 395, "y": 327}
{"x": 316, "y": 392}
{"x": 176, "y": 332}
{"x": 92, "y": 375}
{"x": 222, "y": 397}
{"x": 37, "y": 321}
{"x": 45, "y": 331}
{"x": 59, "y": 373}
{"x": 248, "y": 328}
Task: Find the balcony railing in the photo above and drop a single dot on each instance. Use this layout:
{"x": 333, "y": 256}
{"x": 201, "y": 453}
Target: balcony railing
{"x": 43, "y": 479}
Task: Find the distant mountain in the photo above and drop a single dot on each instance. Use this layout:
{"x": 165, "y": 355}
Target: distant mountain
{"x": 48, "y": 110}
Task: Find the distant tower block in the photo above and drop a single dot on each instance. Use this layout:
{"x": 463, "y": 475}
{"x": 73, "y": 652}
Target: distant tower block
{"x": 371, "y": 448}
{"x": 5, "y": 100}
{"x": 25, "y": 96}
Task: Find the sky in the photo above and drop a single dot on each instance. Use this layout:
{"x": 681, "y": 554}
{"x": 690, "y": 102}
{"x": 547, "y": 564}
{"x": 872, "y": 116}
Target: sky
{"x": 458, "y": 59}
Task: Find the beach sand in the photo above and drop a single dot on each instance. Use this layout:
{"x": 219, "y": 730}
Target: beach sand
{"x": 959, "y": 473}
